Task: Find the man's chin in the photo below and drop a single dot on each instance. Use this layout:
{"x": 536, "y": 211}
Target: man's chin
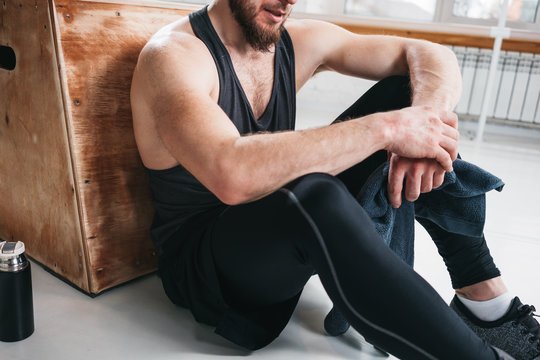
{"x": 265, "y": 37}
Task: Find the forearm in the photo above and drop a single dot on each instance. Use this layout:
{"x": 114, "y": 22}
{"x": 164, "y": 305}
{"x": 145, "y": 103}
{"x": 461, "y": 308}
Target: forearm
{"x": 435, "y": 82}
{"x": 257, "y": 165}
{"x": 435, "y": 75}
{"x": 250, "y": 167}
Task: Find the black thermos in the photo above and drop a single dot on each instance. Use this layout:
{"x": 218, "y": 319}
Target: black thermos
{"x": 16, "y": 306}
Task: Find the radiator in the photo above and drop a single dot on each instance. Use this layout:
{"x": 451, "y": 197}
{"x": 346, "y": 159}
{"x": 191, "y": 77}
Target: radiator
{"x": 516, "y": 94}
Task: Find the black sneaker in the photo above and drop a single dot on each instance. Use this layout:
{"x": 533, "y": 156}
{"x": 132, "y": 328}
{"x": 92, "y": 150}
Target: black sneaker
{"x": 516, "y": 333}
{"x": 335, "y": 323}
{"x": 501, "y": 355}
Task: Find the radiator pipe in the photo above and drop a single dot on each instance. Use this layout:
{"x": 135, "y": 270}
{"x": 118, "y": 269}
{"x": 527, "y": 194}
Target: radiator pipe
{"x": 499, "y": 33}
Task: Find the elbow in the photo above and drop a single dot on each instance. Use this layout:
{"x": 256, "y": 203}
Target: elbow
{"x": 232, "y": 187}
{"x": 231, "y": 196}
{"x": 448, "y": 57}
{"x": 453, "y": 65}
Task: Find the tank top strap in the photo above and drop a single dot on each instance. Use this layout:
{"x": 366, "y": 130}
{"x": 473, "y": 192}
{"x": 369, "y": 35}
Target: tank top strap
{"x": 204, "y": 30}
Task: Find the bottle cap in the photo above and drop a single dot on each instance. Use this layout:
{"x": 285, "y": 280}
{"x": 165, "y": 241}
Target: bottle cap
{"x": 11, "y": 249}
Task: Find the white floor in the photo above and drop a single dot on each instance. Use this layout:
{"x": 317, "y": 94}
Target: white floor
{"x": 136, "y": 321}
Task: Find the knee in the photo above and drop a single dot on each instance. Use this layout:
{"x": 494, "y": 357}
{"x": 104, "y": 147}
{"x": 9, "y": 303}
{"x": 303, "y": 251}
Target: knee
{"x": 396, "y": 81}
{"x": 396, "y": 90}
{"x": 318, "y": 189}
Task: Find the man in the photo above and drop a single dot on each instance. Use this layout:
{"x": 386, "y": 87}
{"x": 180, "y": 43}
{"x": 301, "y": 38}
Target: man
{"x": 248, "y": 209}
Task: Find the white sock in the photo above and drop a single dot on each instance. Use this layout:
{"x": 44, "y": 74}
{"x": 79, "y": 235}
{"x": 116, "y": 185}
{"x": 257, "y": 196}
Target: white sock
{"x": 489, "y": 310}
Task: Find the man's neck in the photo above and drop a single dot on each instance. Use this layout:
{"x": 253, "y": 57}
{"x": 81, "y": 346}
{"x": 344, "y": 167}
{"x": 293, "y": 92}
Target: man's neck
{"x": 229, "y": 31}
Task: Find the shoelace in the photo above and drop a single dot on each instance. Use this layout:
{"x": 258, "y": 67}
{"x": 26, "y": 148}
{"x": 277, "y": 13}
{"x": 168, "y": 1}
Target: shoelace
{"x": 526, "y": 314}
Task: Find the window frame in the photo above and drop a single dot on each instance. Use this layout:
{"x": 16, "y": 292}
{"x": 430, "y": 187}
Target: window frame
{"x": 443, "y": 18}
{"x": 446, "y": 15}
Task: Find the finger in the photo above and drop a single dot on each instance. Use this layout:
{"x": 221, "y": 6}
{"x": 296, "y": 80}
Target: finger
{"x": 451, "y": 147}
{"x": 438, "y": 179}
{"x": 450, "y": 132}
{"x": 427, "y": 182}
{"x": 395, "y": 184}
{"x": 449, "y": 118}
{"x": 412, "y": 186}
{"x": 444, "y": 159}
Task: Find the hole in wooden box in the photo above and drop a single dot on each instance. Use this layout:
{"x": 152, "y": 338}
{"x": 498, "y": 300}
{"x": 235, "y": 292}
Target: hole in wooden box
{"x": 7, "y": 58}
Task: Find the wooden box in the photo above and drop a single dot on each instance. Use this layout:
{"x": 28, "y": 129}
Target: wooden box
{"x": 72, "y": 186}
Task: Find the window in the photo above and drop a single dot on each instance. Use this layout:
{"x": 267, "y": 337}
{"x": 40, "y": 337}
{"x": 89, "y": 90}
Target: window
{"x": 518, "y": 10}
{"x": 522, "y": 14}
{"x": 423, "y": 10}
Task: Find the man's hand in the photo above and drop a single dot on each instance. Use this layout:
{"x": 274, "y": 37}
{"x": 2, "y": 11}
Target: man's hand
{"x": 420, "y": 132}
{"x": 418, "y": 175}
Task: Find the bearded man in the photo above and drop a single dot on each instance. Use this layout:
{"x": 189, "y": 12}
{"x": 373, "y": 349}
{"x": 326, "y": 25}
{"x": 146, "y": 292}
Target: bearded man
{"x": 247, "y": 209}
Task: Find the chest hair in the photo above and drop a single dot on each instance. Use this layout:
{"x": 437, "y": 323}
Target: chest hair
{"x": 256, "y": 75}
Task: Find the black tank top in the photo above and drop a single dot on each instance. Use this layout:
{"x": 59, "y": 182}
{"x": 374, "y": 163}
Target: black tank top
{"x": 180, "y": 200}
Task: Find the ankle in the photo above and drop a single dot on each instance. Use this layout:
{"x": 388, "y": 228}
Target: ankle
{"x": 484, "y": 290}
{"x": 489, "y": 310}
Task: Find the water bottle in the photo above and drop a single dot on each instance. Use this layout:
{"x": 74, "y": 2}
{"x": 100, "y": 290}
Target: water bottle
{"x": 16, "y": 306}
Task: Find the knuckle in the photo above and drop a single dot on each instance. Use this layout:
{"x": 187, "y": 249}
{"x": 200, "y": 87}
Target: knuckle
{"x": 412, "y": 196}
{"x": 416, "y": 172}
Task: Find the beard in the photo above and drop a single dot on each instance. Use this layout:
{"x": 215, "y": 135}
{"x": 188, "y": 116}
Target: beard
{"x": 259, "y": 38}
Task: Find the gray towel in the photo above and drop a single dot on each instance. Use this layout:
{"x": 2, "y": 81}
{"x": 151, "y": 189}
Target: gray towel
{"x": 458, "y": 206}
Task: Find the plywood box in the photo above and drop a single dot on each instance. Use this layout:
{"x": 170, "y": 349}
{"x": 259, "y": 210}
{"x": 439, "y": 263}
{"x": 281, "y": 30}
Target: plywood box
{"x": 72, "y": 186}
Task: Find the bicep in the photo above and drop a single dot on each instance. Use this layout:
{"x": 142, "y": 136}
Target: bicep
{"x": 366, "y": 56}
{"x": 187, "y": 120}
{"x": 195, "y": 130}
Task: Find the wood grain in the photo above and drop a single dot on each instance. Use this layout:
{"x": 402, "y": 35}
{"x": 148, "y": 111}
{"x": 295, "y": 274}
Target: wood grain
{"x": 528, "y": 46}
{"x": 100, "y": 43}
{"x": 38, "y": 204}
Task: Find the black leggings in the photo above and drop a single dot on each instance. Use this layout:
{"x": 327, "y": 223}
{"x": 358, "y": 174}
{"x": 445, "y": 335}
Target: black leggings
{"x": 266, "y": 251}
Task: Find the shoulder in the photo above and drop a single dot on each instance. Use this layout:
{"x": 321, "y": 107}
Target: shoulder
{"x": 305, "y": 32}
{"x": 313, "y": 42}
{"x": 174, "y": 52}
{"x": 315, "y": 39}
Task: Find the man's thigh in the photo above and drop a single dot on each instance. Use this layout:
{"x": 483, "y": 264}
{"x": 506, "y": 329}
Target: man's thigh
{"x": 258, "y": 258}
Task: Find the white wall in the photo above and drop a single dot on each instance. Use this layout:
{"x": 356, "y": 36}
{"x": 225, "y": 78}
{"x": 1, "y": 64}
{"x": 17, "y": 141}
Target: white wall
{"x": 326, "y": 96}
